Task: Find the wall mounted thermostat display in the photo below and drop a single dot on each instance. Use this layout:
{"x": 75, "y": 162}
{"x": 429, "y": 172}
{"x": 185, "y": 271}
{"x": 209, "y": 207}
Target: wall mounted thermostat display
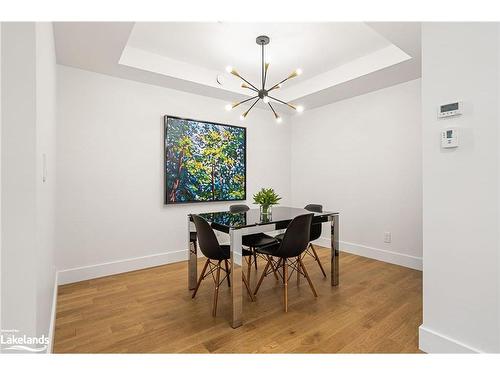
{"x": 449, "y": 138}
{"x": 451, "y": 109}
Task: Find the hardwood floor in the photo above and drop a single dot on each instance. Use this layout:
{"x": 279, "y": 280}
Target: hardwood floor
{"x": 376, "y": 309}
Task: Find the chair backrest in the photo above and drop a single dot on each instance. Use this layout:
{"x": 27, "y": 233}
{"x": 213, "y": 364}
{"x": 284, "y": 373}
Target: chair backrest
{"x": 209, "y": 245}
{"x": 314, "y": 208}
{"x": 316, "y": 227}
{"x": 296, "y": 237}
{"x": 237, "y": 208}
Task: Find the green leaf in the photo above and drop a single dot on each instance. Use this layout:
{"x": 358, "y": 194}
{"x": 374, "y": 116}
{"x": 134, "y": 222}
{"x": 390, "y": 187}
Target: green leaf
{"x": 266, "y": 197}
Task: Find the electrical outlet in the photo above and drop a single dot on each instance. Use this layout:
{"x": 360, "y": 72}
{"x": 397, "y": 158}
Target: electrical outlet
{"x": 387, "y": 237}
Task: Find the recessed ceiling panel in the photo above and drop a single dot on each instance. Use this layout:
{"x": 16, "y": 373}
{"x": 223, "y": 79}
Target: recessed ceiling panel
{"x": 314, "y": 47}
{"x": 338, "y": 60}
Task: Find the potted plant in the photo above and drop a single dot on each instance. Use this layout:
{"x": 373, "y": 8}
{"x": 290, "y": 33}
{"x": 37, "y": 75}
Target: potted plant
{"x": 266, "y": 198}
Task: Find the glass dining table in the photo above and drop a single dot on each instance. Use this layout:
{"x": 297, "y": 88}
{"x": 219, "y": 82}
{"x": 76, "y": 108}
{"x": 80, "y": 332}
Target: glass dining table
{"x": 249, "y": 222}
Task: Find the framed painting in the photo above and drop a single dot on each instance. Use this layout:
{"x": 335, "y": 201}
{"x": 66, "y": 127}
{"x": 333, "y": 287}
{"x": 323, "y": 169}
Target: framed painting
{"x": 204, "y": 161}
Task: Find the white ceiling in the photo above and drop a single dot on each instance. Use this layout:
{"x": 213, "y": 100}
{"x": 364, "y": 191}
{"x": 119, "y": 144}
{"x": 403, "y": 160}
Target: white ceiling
{"x": 314, "y": 47}
{"x": 339, "y": 60}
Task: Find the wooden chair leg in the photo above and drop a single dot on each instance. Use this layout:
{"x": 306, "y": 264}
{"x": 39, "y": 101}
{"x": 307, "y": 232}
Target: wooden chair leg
{"x": 216, "y": 293}
{"x": 285, "y": 282}
{"x": 255, "y": 260}
{"x": 248, "y": 287}
{"x": 201, "y": 278}
{"x": 308, "y": 278}
{"x": 227, "y": 273}
{"x": 278, "y": 265}
{"x": 317, "y": 259}
{"x": 274, "y": 271}
{"x": 262, "y": 276}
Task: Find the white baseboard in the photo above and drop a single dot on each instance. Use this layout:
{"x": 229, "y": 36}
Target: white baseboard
{"x": 374, "y": 253}
{"x": 132, "y": 264}
{"x": 433, "y": 342}
{"x": 52, "y": 325}
{"x": 73, "y": 275}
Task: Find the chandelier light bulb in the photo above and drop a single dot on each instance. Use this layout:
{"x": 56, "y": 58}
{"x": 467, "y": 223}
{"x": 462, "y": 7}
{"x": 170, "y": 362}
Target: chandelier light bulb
{"x": 298, "y": 71}
{"x": 278, "y": 120}
{"x": 228, "y": 107}
{"x": 242, "y": 118}
{"x": 229, "y": 68}
{"x": 299, "y": 109}
{"x": 266, "y": 99}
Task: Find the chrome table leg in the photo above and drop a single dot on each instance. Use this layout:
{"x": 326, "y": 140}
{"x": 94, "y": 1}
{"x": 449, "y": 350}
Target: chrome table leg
{"x": 192, "y": 256}
{"x": 334, "y": 267}
{"x": 236, "y": 278}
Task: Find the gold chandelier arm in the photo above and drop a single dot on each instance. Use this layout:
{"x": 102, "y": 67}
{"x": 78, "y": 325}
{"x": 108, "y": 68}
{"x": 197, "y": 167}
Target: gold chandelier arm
{"x": 249, "y": 109}
{"x": 245, "y": 86}
{"x": 278, "y": 84}
{"x": 272, "y": 109}
{"x": 266, "y": 67}
{"x": 244, "y": 101}
{"x": 294, "y": 74}
{"x": 235, "y": 73}
{"x": 282, "y": 102}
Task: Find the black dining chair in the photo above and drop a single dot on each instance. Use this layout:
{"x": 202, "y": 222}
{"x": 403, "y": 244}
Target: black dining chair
{"x": 315, "y": 234}
{"x": 252, "y": 241}
{"x": 215, "y": 254}
{"x": 289, "y": 251}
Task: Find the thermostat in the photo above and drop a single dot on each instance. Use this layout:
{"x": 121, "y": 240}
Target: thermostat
{"x": 451, "y": 109}
{"x": 449, "y": 138}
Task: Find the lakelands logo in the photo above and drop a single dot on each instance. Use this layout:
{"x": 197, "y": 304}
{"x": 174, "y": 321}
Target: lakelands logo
{"x": 12, "y": 340}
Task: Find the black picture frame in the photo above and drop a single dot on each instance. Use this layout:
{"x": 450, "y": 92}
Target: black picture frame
{"x": 165, "y": 175}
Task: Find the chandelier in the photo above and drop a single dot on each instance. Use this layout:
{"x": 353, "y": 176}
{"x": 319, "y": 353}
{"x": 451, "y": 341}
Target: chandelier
{"x": 260, "y": 91}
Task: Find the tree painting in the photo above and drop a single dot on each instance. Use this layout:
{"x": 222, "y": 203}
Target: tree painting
{"x": 204, "y": 161}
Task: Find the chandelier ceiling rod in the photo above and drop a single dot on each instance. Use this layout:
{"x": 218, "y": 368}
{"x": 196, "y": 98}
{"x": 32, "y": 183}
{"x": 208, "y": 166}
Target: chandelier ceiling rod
{"x": 263, "y": 94}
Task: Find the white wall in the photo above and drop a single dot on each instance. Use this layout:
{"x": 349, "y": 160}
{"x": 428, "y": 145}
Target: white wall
{"x": 28, "y": 131}
{"x": 362, "y": 157}
{"x": 110, "y": 170}
{"x": 460, "y": 189}
{"x": 46, "y": 93}
{"x": 18, "y": 178}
